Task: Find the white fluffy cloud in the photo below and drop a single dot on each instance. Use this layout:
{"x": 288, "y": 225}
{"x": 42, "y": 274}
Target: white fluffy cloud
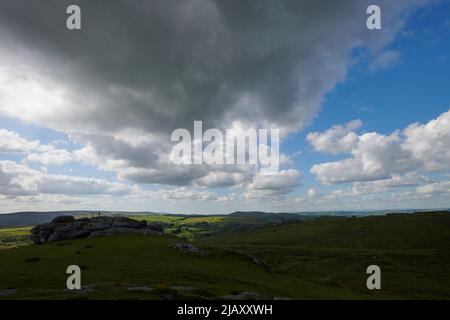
{"x": 435, "y": 188}
{"x": 49, "y": 155}
{"x": 265, "y": 64}
{"x": 385, "y": 60}
{"x": 335, "y": 140}
{"x": 430, "y": 142}
{"x": 400, "y": 192}
{"x": 19, "y": 180}
{"x": 284, "y": 179}
{"x": 11, "y": 142}
{"x": 224, "y": 179}
{"x": 376, "y": 156}
{"x": 272, "y": 186}
{"x": 188, "y": 194}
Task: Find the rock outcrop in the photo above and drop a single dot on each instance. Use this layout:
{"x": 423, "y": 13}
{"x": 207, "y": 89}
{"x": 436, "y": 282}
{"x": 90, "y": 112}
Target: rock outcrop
{"x": 67, "y": 227}
{"x": 245, "y": 295}
{"x": 186, "y": 247}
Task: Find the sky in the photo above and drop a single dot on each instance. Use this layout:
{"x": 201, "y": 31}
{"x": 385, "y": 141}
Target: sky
{"x": 86, "y": 115}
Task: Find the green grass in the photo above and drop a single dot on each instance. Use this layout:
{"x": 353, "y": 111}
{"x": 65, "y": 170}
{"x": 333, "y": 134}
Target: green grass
{"x": 178, "y": 220}
{"x": 188, "y": 227}
{"x": 208, "y": 219}
{"x": 196, "y": 227}
{"x": 320, "y": 259}
{"x": 413, "y": 252}
{"x": 14, "y": 237}
{"x": 157, "y": 218}
{"x": 111, "y": 266}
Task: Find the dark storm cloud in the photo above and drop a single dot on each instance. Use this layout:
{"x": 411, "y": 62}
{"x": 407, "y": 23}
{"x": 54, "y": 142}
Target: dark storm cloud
{"x": 153, "y": 66}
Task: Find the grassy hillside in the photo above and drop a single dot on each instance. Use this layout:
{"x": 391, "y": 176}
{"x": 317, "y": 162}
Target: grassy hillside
{"x": 193, "y": 227}
{"x": 323, "y": 258}
{"x": 14, "y": 237}
{"x": 142, "y": 267}
{"x": 413, "y": 251}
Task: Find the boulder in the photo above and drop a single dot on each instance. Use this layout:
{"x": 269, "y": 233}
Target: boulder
{"x": 67, "y": 227}
{"x": 63, "y": 219}
{"x": 123, "y": 222}
{"x": 115, "y": 230}
{"x": 245, "y": 295}
{"x": 186, "y": 247}
{"x": 155, "y": 227}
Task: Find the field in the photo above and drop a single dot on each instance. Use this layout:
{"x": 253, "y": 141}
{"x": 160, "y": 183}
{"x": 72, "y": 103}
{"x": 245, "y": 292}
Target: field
{"x": 140, "y": 267}
{"x": 14, "y": 237}
{"x": 320, "y": 259}
{"x": 191, "y": 227}
{"x": 186, "y": 227}
{"x": 413, "y": 252}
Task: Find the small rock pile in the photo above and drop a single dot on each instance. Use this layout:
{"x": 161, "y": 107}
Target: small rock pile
{"x": 186, "y": 247}
{"x": 67, "y": 227}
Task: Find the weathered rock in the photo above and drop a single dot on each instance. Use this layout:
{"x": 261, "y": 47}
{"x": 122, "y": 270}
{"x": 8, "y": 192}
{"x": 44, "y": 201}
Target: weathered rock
{"x": 6, "y": 292}
{"x": 40, "y": 233}
{"x": 62, "y": 219}
{"x": 97, "y": 223}
{"x": 245, "y": 295}
{"x": 115, "y": 230}
{"x": 186, "y": 247}
{"x": 255, "y": 260}
{"x": 67, "y": 227}
{"x": 128, "y": 223}
{"x": 154, "y": 227}
{"x": 58, "y": 236}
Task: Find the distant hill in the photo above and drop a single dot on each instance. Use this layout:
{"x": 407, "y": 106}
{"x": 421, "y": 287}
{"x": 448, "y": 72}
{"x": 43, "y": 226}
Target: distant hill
{"x": 412, "y": 250}
{"x": 20, "y": 219}
{"x": 241, "y": 218}
{"x": 392, "y": 231}
{"x": 259, "y": 217}
{"x": 265, "y": 215}
{"x": 31, "y": 218}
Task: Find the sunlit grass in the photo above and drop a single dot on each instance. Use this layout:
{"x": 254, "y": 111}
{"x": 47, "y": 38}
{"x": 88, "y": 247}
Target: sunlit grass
{"x": 14, "y": 237}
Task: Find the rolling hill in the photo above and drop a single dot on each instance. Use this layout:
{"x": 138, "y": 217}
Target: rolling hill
{"x": 413, "y": 251}
{"x": 324, "y": 258}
